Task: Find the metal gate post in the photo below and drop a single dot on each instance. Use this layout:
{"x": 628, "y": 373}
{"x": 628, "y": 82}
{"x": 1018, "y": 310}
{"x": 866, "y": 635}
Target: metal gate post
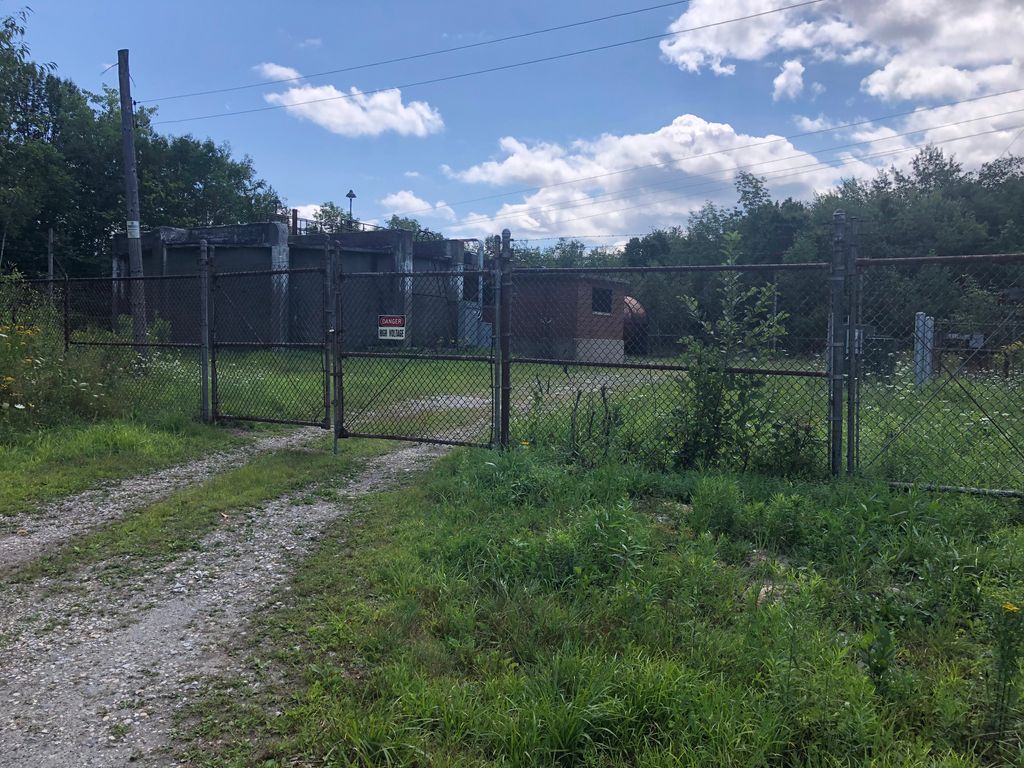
{"x": 854, "y": 349}
{"x": 496, "y": 345}
{"x": 506, "y": 334}
{"x": 204, "y": 331}
{"x": 214, "y": 394}
{"x": 837, "y": 289}
{"x": 338, "y": 333}
{"x": 326, "y": 332}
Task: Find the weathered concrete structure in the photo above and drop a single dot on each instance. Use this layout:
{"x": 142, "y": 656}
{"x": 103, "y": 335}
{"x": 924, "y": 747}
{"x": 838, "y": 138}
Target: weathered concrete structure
{"x": 289, "y": 307}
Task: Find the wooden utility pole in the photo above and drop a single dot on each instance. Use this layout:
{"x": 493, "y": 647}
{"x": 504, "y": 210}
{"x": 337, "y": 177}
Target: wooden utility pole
{"x": 137, "y": 289}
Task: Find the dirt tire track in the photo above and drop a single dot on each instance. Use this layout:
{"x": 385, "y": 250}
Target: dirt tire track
{"x": 25, "y": 537}
{"x": 101, "y": 688}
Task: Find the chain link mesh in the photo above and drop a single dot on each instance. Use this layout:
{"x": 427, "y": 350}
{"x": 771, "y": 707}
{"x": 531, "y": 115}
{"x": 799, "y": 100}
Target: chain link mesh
{"x": 429, "y": 373}
{"x": 271, "y": 358}
{"x": 673, "y": 367}
{"x": 942, "y": 367}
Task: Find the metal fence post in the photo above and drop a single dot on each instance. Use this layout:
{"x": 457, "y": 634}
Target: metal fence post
{"x": 506, "y": 334}
{"x": 854, "y": 344}
{"x": 327, "y": 326}
{"x": 67, "y": 313}
{"x": 204, "y": 331}
{"x": 339, "y": 350}
{"x": 837, "y": 286}
{"x": 496, "y": 343}
{"x": 214, "y": 394}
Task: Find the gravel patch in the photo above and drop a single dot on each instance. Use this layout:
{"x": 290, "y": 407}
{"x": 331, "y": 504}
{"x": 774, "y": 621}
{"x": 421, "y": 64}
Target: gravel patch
{"x": 24, "y": 537}
{"x": 94, "y": 672}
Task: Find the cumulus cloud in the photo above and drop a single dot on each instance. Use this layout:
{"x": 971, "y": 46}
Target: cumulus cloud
{"x": 270, "y": 71}
{"x": 634, "y": 182}
{"x": 352, "y": 113}
{"x": 790, "y": 81}
{"x": 921, "y": 49}
{"x": 406, "y": 202}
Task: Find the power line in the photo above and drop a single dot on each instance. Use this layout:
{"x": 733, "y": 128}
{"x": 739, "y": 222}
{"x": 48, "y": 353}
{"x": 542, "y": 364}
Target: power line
{"x": 426, "y": 54}
{"x": 501, "y": 68}
{"x": 681, "y": 158}
{"x": 796, "y": 173}
{"x": 780, "y": 173}
{"x": 617, "y": 194}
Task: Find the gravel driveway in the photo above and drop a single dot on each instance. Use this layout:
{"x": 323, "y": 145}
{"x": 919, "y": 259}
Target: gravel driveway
{"x": 93, "y": 672}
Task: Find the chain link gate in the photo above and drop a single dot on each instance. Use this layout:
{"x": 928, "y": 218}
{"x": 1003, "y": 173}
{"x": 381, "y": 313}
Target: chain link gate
{"x": 269, "y": 345}
{"x": 936, "y": 371}
{"x": 414, "y": 356}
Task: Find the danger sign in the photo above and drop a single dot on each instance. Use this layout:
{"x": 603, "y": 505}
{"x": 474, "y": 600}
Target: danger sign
{"x": 391, "y": 327}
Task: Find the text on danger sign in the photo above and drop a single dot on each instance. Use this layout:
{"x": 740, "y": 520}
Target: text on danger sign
{"x": 391, "y": 327}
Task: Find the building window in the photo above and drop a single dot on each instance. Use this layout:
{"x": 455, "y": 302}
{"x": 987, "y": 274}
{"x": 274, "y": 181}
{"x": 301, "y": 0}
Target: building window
{"x": 601, "y": 301}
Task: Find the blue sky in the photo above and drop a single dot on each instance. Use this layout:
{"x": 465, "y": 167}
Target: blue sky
{"x": 712, "y": 93}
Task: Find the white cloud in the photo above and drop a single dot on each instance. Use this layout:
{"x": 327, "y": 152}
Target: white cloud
{"x": 790, "y": 81}
{"x": 270, "y": 71}
{"x": 352, "y": 112}
{"x": 405, "y": 202}
{"x": 921, "y": 48}
{"x": 634, "y": 182}
{"x": 311, "y": 42}
{"x": 307, "y": 211}
{"x": 808, "y": 124}
{"x": 655, "y": 188}
{"x": 412, "y": 174}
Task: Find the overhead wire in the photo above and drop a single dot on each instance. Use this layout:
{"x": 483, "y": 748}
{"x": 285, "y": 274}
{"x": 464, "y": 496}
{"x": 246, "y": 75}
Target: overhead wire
{"x": 423, "y": 55}
{"x": 729, "y": 171}
{"x": 712, "y": 153}
{"x": 489, "y": 70}
{"x": 784, "y": 172}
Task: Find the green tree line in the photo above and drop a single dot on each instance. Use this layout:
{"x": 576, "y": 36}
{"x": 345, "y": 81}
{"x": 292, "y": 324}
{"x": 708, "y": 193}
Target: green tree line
{"x": 60, "y": 168}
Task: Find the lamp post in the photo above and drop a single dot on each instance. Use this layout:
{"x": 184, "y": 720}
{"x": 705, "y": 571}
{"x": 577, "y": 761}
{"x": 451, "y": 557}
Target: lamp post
{"x": 351, "y": 196}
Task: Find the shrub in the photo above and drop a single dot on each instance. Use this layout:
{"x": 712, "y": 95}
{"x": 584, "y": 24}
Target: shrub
{"x": 721, "y": 416}
{"x": 716, "y": 503}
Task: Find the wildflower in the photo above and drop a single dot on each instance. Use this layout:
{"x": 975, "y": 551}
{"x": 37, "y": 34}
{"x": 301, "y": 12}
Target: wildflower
{"x": 525, "y": 442}
{"x": 19, "y": 406}
{"x": 1011, "y": 607}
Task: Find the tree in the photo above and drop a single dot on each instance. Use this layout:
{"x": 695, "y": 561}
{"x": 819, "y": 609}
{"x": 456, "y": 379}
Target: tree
{"x": 60, "y": 167}
{"x": 412, "y": 225}
{"x": 329, "y": 217}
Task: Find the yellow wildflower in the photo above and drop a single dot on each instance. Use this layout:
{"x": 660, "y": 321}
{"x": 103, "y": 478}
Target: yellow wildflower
{"x": 1010, "y": 607}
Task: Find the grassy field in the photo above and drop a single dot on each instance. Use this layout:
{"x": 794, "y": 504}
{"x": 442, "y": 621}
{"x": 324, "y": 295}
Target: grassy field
{"x": 163, "y": 529}
{"x": 518, "y": 611}
{"x": 46, "y": 464}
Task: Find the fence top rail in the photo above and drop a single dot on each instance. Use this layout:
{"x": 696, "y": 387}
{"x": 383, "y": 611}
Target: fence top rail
{"x": 424, "y": 273}
{"x": 111, "y": 278}
{"x": 263, "y": 272}
{"x": 908, "y": 261}
{"x": 810, "y": 265}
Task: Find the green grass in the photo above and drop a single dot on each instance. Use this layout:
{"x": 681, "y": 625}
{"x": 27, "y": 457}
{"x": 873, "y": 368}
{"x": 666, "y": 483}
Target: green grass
{"x": 513, "y": 610}
{"x": 44, "y": 465}
{"x": 178, "y": 523}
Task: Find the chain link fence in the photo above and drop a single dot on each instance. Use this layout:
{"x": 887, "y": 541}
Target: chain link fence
{"x": 912, "y": 368}
{"x": 417, "y": 356}
{"x": 940, "y": 378}
{"x": 674, "y": 366}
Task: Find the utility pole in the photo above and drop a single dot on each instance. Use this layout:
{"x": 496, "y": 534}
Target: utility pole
{"x": 137, "y": 288}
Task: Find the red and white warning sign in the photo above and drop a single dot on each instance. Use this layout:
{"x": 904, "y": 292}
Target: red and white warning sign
{"x": 391, "y": 327}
